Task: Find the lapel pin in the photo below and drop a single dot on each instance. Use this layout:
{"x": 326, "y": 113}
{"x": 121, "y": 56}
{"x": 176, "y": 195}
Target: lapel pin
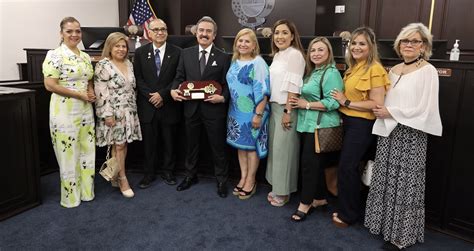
{"x": 149, "y": 55}
{"x": 212, "y": 54}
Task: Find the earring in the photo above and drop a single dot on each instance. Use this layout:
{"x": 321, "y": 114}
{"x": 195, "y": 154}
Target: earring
{"x": 420, "y": 58}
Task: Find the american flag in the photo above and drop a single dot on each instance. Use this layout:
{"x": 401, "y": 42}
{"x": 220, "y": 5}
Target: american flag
{"x": 141, "y": 15}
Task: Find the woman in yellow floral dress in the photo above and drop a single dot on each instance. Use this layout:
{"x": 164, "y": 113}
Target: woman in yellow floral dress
{"x": 68, "y": 75}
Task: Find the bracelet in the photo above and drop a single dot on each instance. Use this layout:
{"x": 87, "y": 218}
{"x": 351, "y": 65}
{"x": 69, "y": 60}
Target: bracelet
{"x": 308, "y": 106}
{"x": 259, "y": 114}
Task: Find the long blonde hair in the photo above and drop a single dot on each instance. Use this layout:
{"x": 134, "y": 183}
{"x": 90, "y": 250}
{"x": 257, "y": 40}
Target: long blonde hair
{"x": 373, "y": 57}
{"x": 253, "y": 38}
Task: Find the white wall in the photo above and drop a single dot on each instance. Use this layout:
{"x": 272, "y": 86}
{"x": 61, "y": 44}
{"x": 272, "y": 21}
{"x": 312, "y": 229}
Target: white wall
{"x": 35, "y": 24}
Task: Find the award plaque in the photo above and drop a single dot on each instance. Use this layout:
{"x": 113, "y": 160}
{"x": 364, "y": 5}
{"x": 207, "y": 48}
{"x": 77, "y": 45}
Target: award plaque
{"x": 199, "y": 89}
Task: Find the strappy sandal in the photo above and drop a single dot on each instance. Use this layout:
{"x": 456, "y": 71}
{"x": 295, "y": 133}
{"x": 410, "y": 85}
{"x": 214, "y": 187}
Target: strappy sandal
{"x": 279, "y": 201}
{"x": 237, "y": 190}
{"x": 302, "y": 215}
{"x": 243, "y": 195}
{"x": 270, "y": 196}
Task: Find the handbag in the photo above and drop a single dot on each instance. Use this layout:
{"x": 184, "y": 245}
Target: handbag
{"x": 366, "y": 176}
{"x": 110, "y": 168}
{"x": 326, "y": 139}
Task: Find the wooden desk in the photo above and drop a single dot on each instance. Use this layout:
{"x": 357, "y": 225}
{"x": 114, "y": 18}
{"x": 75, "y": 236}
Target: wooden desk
{"x": 20, "y": 184}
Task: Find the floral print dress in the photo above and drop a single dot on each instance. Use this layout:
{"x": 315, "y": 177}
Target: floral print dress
{"x": 116, "y": 97}
{"x": 249, "y": 83}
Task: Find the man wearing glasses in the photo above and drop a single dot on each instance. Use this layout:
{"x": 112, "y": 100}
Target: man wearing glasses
{"x": 155, "y": 68}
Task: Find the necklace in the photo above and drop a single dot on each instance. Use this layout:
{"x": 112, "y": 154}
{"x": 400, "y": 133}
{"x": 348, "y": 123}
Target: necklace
{"x": 411, "y": 62}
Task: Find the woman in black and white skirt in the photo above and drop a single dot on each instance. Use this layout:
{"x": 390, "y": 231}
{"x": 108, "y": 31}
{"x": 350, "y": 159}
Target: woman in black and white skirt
{"x": 395, "y": 205}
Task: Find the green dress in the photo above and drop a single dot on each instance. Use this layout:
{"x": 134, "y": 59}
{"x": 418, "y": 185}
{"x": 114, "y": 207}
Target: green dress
{"x": 71, "y": 123}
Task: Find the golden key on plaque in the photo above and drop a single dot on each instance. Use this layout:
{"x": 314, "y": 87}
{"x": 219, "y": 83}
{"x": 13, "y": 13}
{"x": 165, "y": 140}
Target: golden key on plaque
{"x": 209, "y": 89}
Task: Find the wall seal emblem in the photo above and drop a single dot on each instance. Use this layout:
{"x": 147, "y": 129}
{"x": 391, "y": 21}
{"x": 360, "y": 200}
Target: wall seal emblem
{"x": 252, "y": 13}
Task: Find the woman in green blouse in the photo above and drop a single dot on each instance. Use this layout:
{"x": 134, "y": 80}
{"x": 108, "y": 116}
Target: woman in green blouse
{"x": 319, "y": 63}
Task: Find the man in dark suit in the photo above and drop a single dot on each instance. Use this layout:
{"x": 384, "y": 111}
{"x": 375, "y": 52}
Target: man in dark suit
{"x": 155, "y": 69}
{"x": 204, "y": 62}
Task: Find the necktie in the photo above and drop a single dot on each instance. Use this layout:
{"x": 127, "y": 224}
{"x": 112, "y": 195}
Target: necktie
{"x": 157, "y": 62}
{"x": 202, "y": 61}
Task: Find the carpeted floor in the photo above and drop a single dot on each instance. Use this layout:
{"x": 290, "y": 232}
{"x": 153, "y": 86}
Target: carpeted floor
{"x": 160, "y": 218}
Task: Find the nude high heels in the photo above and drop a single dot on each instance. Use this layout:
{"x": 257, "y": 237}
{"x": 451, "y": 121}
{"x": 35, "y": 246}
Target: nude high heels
{"x": 127, "y": 193}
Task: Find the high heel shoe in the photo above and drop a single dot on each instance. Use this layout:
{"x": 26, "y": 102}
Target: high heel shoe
{"x": 236, "y": 190}
{"x": 338, "y": 222}
{"x": 243, "y": 195}
{"x": 127, "y": 193}
{"x": 301, "y": 215}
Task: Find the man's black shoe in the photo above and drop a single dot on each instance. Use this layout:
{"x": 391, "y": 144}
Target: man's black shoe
{"x": 222, "y": 189}
{"x": 187, "y": 183}
{"x": 169, "y": 178}
{"x": 146, "y": 181}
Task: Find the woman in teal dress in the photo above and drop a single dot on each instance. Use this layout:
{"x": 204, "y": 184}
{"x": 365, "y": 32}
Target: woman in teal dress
{"x": 247, "y": 123}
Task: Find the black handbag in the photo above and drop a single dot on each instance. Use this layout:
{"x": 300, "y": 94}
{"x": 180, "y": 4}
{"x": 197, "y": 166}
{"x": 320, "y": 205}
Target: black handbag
{"x": 327, "y": 139}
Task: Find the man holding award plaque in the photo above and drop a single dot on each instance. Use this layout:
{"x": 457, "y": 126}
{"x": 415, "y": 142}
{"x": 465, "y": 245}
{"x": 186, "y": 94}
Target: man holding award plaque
{"x": 201, "y": 85}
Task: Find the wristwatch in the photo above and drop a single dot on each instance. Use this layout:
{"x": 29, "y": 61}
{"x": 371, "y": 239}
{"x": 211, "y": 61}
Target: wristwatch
{"x": 347, "y": 103}
{"x": 286, "y": 111}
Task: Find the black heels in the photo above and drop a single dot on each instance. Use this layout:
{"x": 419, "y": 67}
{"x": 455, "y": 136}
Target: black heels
{"x": 301, "y": 215}
{"x": 236, "y": 190}
{"x": 247, "y": 194}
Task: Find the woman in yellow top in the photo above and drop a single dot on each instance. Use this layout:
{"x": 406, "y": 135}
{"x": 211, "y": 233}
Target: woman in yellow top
{"x": 364, "y": 89}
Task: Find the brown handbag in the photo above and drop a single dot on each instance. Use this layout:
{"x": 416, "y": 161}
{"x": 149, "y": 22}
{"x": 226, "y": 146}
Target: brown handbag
{"x": 326, "y": 139}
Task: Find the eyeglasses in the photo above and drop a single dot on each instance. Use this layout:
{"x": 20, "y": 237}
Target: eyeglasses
{"x": 412, "y": 42}
{"x": 156, "y": 30}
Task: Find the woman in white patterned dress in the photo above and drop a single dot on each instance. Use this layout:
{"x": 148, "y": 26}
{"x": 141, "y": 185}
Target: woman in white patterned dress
{"x": 395, "y": 205}
{"x": 116, "y": 109}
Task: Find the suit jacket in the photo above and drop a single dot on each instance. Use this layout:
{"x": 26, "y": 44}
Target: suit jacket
{"x": 216, "y": 69}
{"x": 147, "y": 82}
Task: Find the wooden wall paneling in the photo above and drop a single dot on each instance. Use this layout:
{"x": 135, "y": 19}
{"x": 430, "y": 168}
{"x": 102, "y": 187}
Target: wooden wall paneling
{"x": 324, "y": 21}
{"x": 387, "y": 17}
{"x": 458, "y": 23}
{"x": 460, "y": 200}
{"x": 352, "y": 18}
{"x": 125, "y": 7}
{"x": 170, "y": 12}
{"x": 440, "y": 149}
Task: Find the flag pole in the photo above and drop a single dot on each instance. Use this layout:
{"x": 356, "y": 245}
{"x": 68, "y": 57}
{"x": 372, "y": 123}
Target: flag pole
{"x": 151, "y": 8}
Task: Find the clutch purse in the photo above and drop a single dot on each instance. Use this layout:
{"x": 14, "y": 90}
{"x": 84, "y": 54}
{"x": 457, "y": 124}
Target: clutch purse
{"x": 110, "y": 168}
{"x": 200, "y": 89}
